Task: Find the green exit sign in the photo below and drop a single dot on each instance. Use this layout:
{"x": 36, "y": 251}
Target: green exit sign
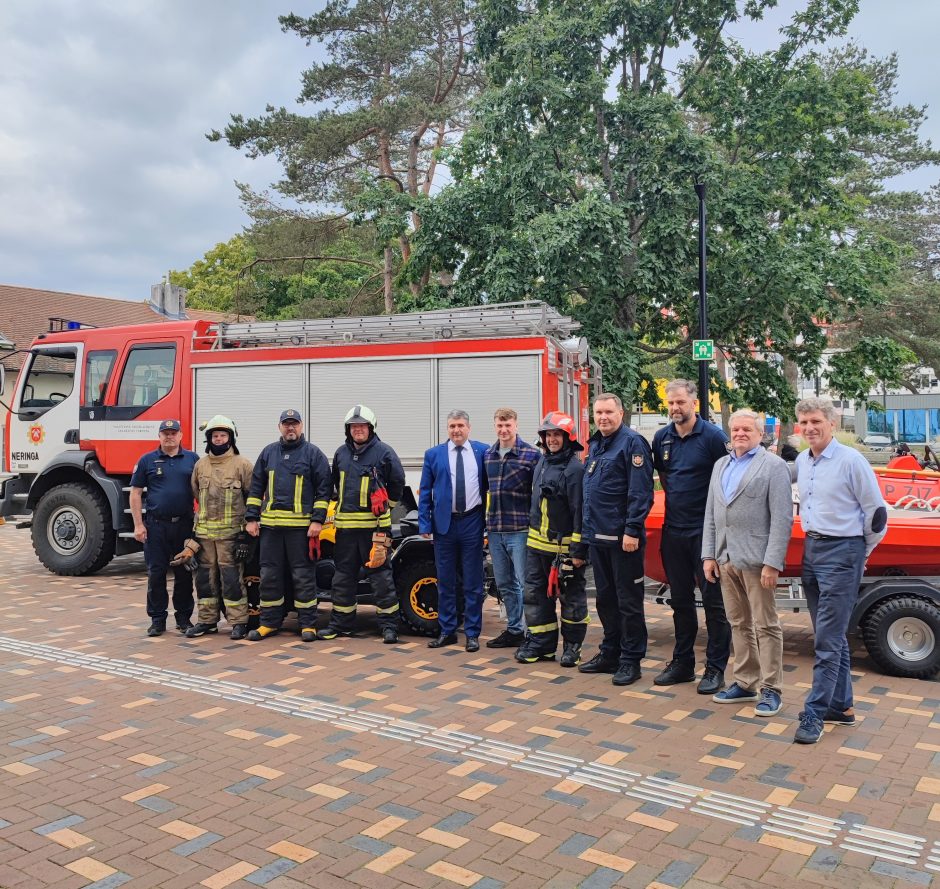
{"x": 703, "y": 350}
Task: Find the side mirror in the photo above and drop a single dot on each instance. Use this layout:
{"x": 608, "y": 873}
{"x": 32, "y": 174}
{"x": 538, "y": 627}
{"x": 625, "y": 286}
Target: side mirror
{"x": 3, "y": 378}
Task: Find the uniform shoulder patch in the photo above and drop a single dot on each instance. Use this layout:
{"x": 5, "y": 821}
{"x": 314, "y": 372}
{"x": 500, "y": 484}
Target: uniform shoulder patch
{"x": 637, "y": 459}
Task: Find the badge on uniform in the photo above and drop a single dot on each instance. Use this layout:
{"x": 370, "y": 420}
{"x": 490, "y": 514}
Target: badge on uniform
{"x": 592, "y": 467}
{"x": 637, "y": 459}
{"x": 665, "y": 455}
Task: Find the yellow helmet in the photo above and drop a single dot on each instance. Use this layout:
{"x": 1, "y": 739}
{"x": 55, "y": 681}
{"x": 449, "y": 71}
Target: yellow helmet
{"x": 219, "y": 422}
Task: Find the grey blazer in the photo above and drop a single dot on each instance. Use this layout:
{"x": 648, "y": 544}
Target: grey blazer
{"x": 754, "y": 528}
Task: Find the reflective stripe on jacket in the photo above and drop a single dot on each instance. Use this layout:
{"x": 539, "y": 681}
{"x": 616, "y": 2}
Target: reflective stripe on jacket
{"x": 555, "y": 515}
{"x": 292, "y": 483}
{"x": 220, "y": 485}
{"x": 354, "y": 482}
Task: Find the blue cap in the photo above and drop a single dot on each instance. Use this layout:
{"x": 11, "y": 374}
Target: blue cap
{"x": 291, "y": 415}
{"x": 170, "y": 426}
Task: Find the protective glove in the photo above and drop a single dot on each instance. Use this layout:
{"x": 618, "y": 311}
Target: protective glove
{"x": 379, "y": 501}
{"x": 554, "y": 579}
{"x": 187, "y": 556}
{"x": 313, "y": 548}
{"x": 379, "y": 552}
{"x": 242, "y": 549}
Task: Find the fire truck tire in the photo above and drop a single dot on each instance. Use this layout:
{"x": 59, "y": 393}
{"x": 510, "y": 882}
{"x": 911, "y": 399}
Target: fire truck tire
{"x": 417, "y": 596}
{"x": 902, "y": 636}
{"x": 71, "y": 529}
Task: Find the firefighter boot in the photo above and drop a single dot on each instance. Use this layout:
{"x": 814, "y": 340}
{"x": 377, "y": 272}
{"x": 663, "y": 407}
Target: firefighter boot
{"x": 308, "y": 634}
{"x": 201, "y": 629}
{"x": 530, "y": 652}
{"x": 571, "y": 654}
{"x": 261, "y": 632}
{"x": 239, "y": 631}
{"x": 390, "y": 636}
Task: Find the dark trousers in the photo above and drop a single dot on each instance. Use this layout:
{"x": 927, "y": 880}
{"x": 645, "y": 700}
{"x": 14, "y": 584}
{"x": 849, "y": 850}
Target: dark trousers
{"x": 350, "y": 553}
{"x": 283, "y": 551}
{"x": 541, "y": 612}
{"x": 831, "y": 574}
{"x": 618, "y": 576}
{"x": 463, "y": 545}
{"x": 164, "y": 540}
{"x": 682, "y": 558}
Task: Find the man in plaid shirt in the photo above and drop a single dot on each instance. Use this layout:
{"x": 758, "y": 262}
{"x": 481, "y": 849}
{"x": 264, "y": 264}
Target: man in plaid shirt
{"x": 509, "y": 463}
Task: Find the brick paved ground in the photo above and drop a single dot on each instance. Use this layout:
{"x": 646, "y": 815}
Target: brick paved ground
{"x": 182, "y": 763}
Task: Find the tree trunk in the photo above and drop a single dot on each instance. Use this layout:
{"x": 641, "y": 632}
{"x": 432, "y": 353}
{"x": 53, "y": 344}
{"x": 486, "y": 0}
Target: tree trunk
{"x": 721, "y": 367}
{"x": 387, "y": 275}
{"x": 791, "y": 373}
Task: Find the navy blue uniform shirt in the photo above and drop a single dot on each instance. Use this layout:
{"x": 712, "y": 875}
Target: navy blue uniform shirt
{"x": 167, "y": 480}
{"x": 685, "y": 470}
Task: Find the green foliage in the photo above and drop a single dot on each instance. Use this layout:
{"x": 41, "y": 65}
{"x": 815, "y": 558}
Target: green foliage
{"x": 873, "y": 360}
{"x": 212, "y": 281}
{"x": 574, "y": 182}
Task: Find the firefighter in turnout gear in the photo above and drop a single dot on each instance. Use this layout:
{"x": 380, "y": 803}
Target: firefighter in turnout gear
{"x": 368, "y": 479}
{"x": 220, "y": 484}
{"x": 289, "y": 496}
{"x": 556, "y": 558}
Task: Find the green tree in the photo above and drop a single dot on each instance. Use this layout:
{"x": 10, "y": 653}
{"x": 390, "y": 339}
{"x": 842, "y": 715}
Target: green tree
{"x": 574, "y": 182}
{"x": 212, "y": 281}
{"x": 391, "y": 95}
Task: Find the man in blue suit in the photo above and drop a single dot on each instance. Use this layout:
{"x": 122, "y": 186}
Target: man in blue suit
{"x": 450, "y": 507}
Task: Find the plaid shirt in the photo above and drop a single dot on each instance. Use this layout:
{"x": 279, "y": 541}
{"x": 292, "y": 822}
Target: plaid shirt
{"x": 510, "y": 486}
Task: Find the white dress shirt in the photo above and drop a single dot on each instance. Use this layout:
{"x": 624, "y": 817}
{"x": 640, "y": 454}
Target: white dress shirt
{"x": 471, "y": 477}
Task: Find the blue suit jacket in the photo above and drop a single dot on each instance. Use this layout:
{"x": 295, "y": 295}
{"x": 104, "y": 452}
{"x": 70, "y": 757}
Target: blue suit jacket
{"x": 435, "y": 497}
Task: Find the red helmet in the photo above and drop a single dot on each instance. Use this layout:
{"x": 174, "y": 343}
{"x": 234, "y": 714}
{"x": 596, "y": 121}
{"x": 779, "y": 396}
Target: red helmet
{"x": 556, "y": 421}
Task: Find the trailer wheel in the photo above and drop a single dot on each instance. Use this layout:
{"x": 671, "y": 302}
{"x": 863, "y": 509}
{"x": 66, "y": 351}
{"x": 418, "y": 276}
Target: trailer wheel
{"x": 902, "y": 636}
{"x": 71, "y": 529}
{"x": 417, "y": 596}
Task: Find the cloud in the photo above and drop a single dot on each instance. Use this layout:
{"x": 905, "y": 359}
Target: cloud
{"x": 106, "y": 178}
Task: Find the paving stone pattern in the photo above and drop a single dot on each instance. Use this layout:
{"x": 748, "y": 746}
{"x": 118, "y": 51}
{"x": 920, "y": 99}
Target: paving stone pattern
{"x": 181, "y": 763}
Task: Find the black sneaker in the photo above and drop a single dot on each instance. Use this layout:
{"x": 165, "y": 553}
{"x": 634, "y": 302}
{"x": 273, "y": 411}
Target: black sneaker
{"x": 506, "y": 639}
{"x": 834, "y": 717}
{"x": 712, "y": 682}
{"x": 810, "y": 729}
{"x": 390, "y": 636}
{"x": 201, "y": 630}
{"x": 571, "y": 654}
{"x": 157, "y": 628}
{"x": 184, "y": 626}
{"x": 598, "y": 664}
{"x": 627, "y": 674}
{"x": 674, "y": 673}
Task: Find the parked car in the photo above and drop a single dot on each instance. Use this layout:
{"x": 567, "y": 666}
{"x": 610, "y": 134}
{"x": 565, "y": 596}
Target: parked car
{"x": 878, "y": 441}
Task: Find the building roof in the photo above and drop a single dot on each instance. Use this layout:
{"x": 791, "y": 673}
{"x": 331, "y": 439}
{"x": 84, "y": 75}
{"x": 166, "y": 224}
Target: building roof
{"x": 26, "y": 312}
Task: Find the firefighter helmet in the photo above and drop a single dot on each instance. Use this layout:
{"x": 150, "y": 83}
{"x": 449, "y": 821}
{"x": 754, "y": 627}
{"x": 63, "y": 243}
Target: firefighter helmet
{"x": 360, "y": 414}
{"x": 220, "y": 422}
{"x": 556, "y": 421}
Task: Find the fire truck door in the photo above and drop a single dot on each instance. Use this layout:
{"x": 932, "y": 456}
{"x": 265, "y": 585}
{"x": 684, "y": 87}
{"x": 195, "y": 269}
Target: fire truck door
{"x": 44, "y": 421}
{"x": 146, "y": 390}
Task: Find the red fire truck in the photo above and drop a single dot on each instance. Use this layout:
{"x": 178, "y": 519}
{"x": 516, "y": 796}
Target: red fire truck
{"x": 88, "y": 402}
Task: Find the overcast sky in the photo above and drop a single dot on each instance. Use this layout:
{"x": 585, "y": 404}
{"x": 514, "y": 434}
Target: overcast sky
{"x": 106, "y": 178}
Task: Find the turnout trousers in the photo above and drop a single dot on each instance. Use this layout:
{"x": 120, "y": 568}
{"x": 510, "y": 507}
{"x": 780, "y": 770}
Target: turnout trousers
{"x": 219, "y": 577}
{"x": 165, "y": 539}
{"x": 350, "y": 553}
{"x": 541, "y": 612}
{"x": 284, "y": 551}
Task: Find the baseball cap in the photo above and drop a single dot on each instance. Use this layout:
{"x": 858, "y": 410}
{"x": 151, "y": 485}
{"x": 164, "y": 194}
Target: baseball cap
{"x": 170, "y": 426}
{"x": 291, "y": 415}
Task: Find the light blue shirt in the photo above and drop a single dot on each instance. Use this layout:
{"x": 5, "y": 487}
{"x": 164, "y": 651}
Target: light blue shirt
{"x": 471, "y": 477}
{"x": 839, "y": 494}
{"x": 734, "y": 472}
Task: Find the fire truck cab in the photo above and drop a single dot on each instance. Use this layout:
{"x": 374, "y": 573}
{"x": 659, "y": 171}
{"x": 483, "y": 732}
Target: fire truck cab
{"x": 87, "y": 403}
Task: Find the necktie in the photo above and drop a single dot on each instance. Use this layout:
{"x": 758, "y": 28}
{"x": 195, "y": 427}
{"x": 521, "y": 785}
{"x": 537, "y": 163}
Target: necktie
{"x": 461, "y": 493}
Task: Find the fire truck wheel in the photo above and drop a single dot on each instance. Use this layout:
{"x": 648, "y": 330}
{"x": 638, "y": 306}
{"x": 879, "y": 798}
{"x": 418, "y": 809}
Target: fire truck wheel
{"x": 72, "y": 533}
{"x": 902, "y": 636}
{"x": 417, "y": 596}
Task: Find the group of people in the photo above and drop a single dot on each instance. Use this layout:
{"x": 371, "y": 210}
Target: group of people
{"x": 546, "y": 514}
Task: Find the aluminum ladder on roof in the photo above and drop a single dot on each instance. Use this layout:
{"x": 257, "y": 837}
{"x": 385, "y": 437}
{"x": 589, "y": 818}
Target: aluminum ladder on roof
{"x": 531, "y": 318}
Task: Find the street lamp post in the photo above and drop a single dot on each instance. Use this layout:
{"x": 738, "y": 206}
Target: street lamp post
{"x": 702, "y": 305}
